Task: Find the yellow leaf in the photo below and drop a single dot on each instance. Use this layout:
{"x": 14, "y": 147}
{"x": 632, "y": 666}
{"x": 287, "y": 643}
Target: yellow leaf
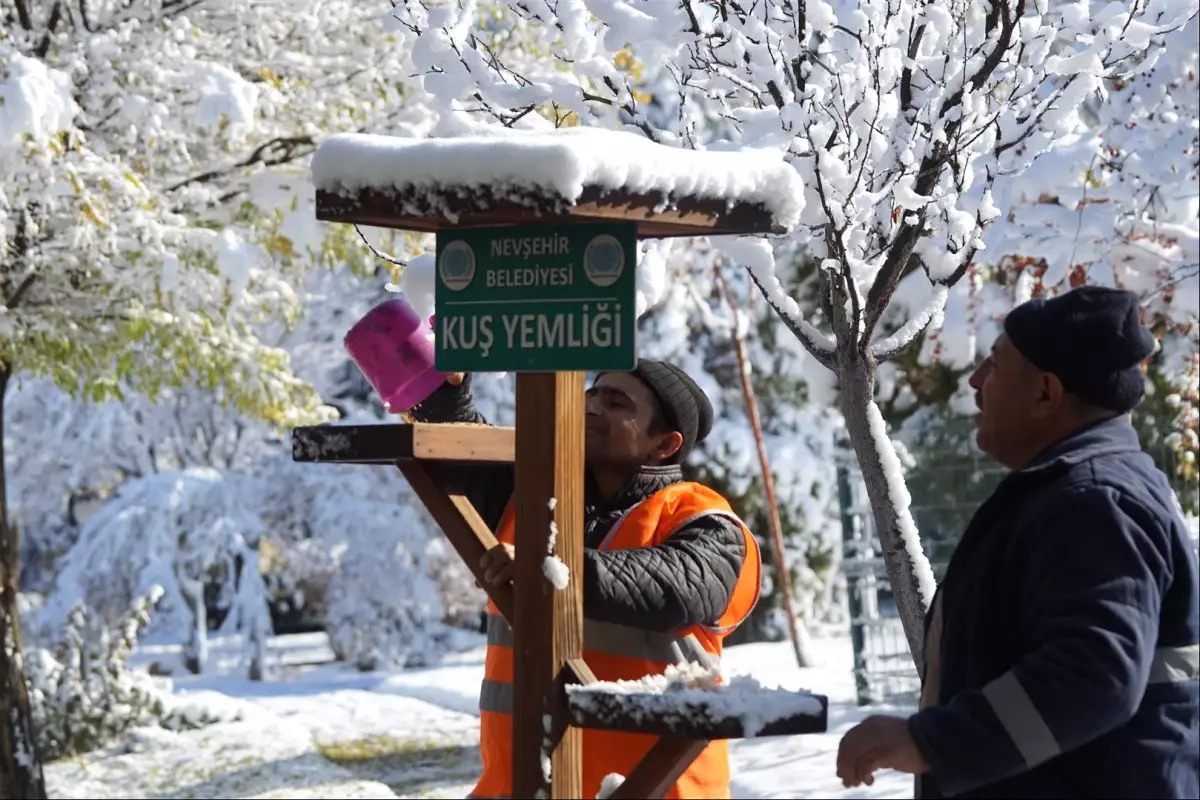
{"x": 91, "y": 214}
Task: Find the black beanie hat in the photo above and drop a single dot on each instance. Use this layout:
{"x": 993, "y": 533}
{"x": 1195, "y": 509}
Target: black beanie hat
{"x": 685, "y": 406}
{"x": 1091, "y": 338}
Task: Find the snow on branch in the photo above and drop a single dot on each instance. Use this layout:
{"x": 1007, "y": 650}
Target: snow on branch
{"x": 901, "y": 501}
{"x": 889, "y": 347}
{"x": 1116, "y": 206}
{"x": 904, "y": 115}
{"x": 756, "y": 256}
{"x": 899, "y": 117}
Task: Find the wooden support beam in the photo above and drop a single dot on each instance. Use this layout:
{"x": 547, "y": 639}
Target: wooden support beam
{"x": 575, "y": 672}
{"x": 691, "y": 715}
{"x": 659, "y": 769}
{"x": 386, "y": 444}
{"x": 462, "y": 525}
{"x": 548, "y": 627}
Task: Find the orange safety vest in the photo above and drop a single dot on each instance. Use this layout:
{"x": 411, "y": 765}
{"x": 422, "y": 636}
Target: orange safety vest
{"x": 617, "y": 652}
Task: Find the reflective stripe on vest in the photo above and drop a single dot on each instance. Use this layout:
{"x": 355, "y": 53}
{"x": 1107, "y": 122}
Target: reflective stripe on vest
{"x": 604, "y": 638}
{"x": 616, "y": 640}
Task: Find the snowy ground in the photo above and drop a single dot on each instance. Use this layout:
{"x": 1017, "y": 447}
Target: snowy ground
{"x": 320, "y": 729}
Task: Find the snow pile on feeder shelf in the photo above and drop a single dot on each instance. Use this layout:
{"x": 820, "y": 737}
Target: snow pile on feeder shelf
{"x": 556, "y": 164}
{"x": 553, "y": 567}
{"x": 670, "y": 693}
{"x": 612, "y": 781}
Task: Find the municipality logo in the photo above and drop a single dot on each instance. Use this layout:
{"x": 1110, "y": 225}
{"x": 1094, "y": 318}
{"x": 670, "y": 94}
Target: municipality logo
{"x": 456, "y": 265}
{"x": 604, "y": 260}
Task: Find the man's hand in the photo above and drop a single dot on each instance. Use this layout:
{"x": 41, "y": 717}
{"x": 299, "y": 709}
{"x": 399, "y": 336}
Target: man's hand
{"x": 878, "y": 743}
{"x": 498, "y": 565}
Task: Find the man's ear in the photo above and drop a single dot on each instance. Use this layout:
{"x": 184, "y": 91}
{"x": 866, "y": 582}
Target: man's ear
{"x": 1050, "y": 395}
{"x": 667, "y": 445}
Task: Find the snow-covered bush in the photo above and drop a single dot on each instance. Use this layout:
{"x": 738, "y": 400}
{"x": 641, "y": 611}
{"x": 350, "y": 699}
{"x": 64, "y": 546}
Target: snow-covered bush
{"x": 383, "y": 605}
{"x": 179, "y": 530}
{"x": 84, "y": 694}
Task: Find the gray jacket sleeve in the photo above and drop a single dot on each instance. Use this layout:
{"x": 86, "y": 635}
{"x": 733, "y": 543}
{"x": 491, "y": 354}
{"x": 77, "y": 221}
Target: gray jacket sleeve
{"x": 686, "y": 580}
{"x": 489, "y": 486}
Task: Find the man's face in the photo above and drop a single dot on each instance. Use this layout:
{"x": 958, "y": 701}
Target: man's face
{"x": 621, "y": 428}
{"x": 1009, "y": 393}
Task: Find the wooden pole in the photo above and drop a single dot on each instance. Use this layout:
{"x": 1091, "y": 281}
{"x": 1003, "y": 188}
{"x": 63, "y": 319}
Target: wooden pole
{"x": 548, "y": 622}
{"x": 785, "y": 582}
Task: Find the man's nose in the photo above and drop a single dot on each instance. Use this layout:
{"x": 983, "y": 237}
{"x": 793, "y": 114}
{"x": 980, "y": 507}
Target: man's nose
{"x": 591, "y": 405}
{"x": 978, "y": 376}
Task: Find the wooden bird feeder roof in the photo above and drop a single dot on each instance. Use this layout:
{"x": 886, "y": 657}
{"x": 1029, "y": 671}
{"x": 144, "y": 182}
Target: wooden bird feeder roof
{"x": 571, "y": 175}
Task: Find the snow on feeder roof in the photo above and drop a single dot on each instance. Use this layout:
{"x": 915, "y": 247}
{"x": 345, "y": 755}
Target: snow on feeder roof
{"x": 573, "y": 174}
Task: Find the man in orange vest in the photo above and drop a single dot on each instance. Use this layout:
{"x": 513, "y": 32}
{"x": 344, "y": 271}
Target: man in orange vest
{"x": 667, "y": 565}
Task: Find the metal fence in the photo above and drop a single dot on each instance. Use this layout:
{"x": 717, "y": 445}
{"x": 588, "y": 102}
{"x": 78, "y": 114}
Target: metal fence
{"x": 883, "y": 671}
{"x": 949, "y": 484}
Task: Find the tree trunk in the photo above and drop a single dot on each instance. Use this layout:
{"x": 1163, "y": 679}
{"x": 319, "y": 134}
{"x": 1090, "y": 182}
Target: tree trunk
{"x": 907, "y": 567}
{"x": 195, "y": 651}
{"x": 20, "y": 768}
{"x": 256, "y": 638}
{"x": 258, "y": 652}
{"x": 255, "y": 616}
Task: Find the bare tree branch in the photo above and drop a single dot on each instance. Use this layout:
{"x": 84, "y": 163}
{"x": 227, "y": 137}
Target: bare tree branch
{"x": 280, "y": 150}
{"x": 23, "y": 287}
{"x": 23, "y": 14}
{"x": 824, "y": 357}
{"x": 377, "y": 253}
{"x": 930, "y": 170}
{"x": 51, "y": 24}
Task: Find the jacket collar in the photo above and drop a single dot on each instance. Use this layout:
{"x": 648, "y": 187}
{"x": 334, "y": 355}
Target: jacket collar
{"x": 645, "y": 482}
{"x": 1106, "y": 437}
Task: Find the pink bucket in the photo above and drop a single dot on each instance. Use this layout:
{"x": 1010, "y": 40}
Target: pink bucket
{"x": 393, "y": 348}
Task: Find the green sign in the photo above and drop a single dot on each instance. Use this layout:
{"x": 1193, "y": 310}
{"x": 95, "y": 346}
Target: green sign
{"x": 536, "y": 298}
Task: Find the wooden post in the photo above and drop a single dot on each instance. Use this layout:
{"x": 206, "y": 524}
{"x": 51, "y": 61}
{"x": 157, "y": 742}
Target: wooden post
{"x": 548, "y": 622}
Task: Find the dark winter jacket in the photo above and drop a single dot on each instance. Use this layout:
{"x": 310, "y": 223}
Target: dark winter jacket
{"x": 1070, "y": 615}
{"x": 688, "y": 580}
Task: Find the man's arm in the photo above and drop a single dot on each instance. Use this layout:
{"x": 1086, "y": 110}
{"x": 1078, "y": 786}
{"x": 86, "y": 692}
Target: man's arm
{"x": 1090, "y": 608}
{"x": 686, "y": 580}
{"x": 489, "y": 486}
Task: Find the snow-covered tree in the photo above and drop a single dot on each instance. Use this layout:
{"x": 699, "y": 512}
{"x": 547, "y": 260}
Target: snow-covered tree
{"x": 137, "y": 142}
{"x": 1121, "y": 207}
{"x": 1101, "y": 210}
{"x": 900, "y": 117}
{"x": 72, "y": 453}
{"x": 328, "y": 538}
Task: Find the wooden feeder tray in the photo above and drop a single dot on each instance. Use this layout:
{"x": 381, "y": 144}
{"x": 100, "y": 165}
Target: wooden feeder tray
{"x": 389, "y": 443}
{"x": 685, "y": 717}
